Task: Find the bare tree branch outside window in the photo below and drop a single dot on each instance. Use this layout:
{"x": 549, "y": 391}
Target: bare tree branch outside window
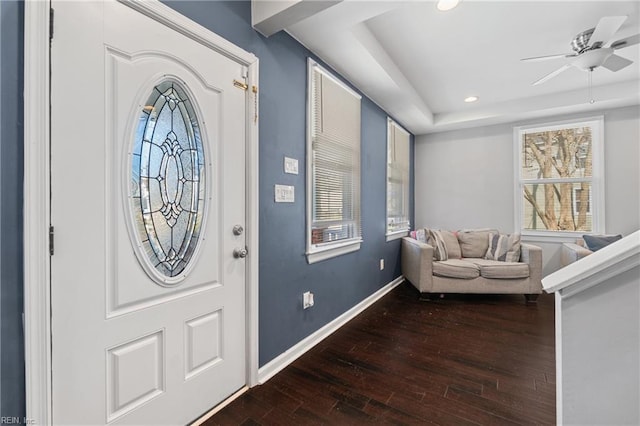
{"x": 557, "y": 179}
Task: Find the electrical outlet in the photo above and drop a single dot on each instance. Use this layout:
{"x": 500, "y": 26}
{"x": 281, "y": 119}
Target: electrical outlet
{"x": 307, "y": 300}
{"x": 381, "y": 264}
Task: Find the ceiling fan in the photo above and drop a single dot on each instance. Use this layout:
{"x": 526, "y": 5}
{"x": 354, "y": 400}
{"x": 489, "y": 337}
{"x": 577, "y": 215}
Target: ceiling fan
{"x": 589, "y": 51}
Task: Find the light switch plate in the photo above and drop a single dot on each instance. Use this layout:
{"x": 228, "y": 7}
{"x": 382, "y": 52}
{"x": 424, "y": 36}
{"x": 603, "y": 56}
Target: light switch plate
{"x": 290, "y": 165}
{"x": 285, "y": 193}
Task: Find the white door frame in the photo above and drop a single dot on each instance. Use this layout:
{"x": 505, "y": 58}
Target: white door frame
{"x": 37, "y": 279}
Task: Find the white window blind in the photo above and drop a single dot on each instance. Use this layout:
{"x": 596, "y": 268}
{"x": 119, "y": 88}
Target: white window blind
{"x": 397, "y": 179}
{"x": 334, "y": 147}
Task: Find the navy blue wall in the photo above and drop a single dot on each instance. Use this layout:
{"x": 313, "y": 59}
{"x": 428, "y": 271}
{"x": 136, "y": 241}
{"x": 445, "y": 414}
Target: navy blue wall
{"x": 11, "y": 160}
{"x": 339, "y": 283}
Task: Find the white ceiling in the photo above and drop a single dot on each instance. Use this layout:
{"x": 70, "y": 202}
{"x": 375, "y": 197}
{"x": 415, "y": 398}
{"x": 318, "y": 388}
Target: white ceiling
{"x": 419, "y": 64}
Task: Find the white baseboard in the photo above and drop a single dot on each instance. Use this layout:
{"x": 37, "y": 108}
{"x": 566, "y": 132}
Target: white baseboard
{"x": 281, "y": 361}
{"x": 215, "y": 410}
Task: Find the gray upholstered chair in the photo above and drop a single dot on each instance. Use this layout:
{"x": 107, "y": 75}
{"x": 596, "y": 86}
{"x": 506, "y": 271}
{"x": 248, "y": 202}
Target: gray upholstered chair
{"x": 572, "y": 252}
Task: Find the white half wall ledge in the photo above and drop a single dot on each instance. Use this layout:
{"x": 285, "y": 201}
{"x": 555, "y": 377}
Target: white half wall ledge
{"x": 270, "y": 16}
{"x": 599, "y": 266}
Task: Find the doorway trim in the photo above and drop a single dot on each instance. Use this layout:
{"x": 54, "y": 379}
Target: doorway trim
{"x": 36, "y": 273}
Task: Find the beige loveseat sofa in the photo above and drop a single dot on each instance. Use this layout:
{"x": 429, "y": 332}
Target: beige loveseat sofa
{"x": 468, "y": 271}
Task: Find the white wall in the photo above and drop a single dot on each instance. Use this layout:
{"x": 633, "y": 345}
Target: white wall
{"x": 622, "y": 170}
{"x": 600, "y": 335}
{"x": 465, "y": 178}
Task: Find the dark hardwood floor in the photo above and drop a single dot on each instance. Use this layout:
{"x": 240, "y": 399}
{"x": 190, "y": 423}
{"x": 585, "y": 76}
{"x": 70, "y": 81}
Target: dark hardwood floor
{"x": 465, "y": 359}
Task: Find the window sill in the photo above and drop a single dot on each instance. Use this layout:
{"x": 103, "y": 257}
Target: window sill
{"x": 396, "y": 235}
{"x": 319, "y": 254}
{"x": 555, "y": 237}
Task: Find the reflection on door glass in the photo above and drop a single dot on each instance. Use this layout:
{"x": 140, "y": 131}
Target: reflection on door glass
{"x": 168, "y": 179}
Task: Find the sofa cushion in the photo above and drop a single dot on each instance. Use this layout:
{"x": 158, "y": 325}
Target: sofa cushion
{"x": 436, "y": 240}
{"x": 452, "y": 245}
{"x": 503, "y": 247}
{"x": 456, "y": 268}
{"x": 499, "y": 269}
{"x": 596, "y": 242}
{"x": 474, "y": 242}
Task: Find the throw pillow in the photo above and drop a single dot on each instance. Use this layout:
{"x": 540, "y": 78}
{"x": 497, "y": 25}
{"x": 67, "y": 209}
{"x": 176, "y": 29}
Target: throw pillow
{"x": 596, "y": 242}
{"x": 439, "y": 247}
{"x": 452, "y": 245}
{"x": 503, "y": 247}
{"x": 420, "y": 235}
{"x": 474, "y": 242}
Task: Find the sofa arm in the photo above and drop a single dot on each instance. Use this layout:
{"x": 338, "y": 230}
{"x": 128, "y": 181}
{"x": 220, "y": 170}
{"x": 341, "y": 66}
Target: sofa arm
{"x": 571, "y": 252}
{"x": 417, "y": 264}
{"x": 532, "y": 255}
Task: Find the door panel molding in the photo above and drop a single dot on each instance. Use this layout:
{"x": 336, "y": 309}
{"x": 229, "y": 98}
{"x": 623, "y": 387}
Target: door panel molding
{"x": 37, "y": 278}
{"x": 117, "y": 63}
{"x": 127, "y": 386}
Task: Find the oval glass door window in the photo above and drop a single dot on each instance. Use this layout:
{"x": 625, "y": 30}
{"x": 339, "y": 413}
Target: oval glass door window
{"x": 167, "y": 195}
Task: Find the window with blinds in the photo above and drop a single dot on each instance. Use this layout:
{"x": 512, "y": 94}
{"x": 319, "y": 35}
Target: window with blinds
{"x": 333, "y": 166}
{"x": 397, "y": 180}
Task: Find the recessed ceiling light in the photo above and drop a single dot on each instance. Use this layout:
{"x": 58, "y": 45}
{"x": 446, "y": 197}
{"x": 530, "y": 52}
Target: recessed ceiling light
{"x": 445, "y": 5}
{"x": 470, "y": 99}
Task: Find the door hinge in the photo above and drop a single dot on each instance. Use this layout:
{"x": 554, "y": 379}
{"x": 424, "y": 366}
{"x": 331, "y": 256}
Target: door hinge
{"x": 51, "y": 240}
{"x": 240, "y": 85}
{"x": 50, "y": 24}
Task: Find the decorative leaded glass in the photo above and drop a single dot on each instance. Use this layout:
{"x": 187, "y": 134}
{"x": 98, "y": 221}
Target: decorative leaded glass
{"x": 168, "y": 179}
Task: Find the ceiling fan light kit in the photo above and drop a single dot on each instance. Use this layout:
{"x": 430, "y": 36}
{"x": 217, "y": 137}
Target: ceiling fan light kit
{"x": 444, "y": 5}
{"x": 592, "y": 59}
{"x": 589, "y": 52}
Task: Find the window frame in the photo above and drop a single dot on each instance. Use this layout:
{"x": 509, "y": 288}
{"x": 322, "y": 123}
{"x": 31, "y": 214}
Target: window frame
{"x": 597, "y": 211}
{"x": 394, "y": 235}
{"x": 317, "y": 252}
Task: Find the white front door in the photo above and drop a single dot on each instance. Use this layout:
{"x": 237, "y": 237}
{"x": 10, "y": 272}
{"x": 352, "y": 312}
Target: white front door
{"x": 148, "y": 183}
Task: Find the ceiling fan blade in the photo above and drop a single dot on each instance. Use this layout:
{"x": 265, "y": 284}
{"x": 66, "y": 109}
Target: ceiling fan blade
{"x": 616, "y": 63}
{"x": 605, "y": 29}
{"x": 544, "y": 58}
{"x": 552, "y": 74}
{"x": 626, "y": 42}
